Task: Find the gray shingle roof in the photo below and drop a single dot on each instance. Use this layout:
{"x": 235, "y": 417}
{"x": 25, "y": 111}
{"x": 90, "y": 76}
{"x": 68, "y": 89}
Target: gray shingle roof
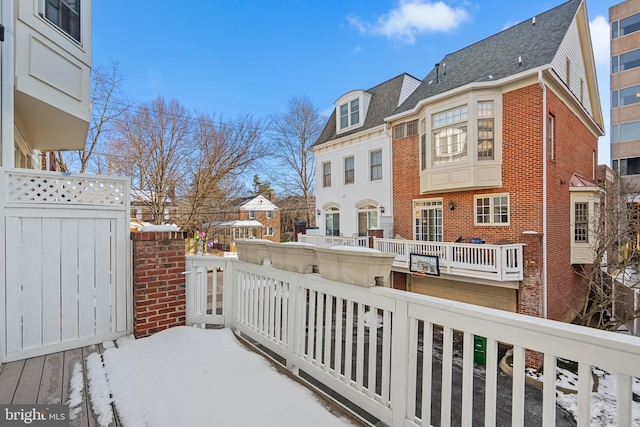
{"x": 384, "y": 101}
{"x": 497, "y": 56}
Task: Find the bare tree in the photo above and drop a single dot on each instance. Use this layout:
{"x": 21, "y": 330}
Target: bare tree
{"x": 223, "y": 151}
{"x": 293, "y": 134}
{"x": 615, "y": 249}
{"x": 155, "y": 147}
{"x": 107, "y": 105}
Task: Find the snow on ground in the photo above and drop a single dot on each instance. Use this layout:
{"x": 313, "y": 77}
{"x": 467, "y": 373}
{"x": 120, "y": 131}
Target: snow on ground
{"x": 603, "y": 401}
{"x": 186, "y": 376}
{"x": 75, "y": 391}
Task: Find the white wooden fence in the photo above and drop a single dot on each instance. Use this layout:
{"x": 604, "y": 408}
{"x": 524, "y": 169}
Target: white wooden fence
{"x": 329, "y": 241}
{"x": 324, "y": 329}
{"x": 65, "y": 261}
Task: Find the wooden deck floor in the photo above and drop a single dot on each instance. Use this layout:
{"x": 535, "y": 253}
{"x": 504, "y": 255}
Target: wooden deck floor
{"x": 46, "y": 380}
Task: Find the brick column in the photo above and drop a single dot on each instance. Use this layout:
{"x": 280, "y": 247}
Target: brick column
{"x": 159, "y": 299}
{"x": 531, "y": 294}
{"x": 375, "y": 232}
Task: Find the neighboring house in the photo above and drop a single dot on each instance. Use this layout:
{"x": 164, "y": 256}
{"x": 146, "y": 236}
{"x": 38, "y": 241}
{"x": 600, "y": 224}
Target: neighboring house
{"x": 253, "y": 218}
{"x": 141, "y": 202}
{"x": 507, "y": 146}
{"x": 353, "y": 160}
{"x": 624, "y": 20}
{"x": 498, "y": 144}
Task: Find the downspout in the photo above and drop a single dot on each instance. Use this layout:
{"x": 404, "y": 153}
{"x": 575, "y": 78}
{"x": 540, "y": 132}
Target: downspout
{"x": 544, "y": 194}
{"x": 6, "y": 85}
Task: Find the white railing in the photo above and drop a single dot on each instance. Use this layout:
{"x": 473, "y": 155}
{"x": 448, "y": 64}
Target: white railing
{"x": 493, "y": 262}
{"x": 323, "y": 328}
{"x": 329, "y": 241}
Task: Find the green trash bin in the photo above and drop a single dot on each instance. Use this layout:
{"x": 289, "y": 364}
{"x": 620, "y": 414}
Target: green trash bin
{"x": 479, "y": 349}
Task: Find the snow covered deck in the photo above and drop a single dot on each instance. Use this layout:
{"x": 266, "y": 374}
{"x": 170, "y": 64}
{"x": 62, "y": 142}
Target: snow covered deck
{"x": 54, "y": 379}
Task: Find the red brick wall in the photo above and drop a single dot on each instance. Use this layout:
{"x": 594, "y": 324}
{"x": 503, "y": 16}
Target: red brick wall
{"x": 159, "y": 300}
{"x": 575, "y": 146}
{"x": 522, "y": 129}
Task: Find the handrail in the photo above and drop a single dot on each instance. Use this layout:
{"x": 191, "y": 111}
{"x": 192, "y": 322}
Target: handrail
{"x": 494, "y": 262}
{"x": 324, "y": 328}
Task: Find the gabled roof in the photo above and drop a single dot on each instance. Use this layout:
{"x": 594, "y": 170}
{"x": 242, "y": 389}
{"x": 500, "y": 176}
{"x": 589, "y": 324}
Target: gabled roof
{"x": 385, "y": 98}
{"x": 257, "y": 203}
{"x": 535, "y": 42}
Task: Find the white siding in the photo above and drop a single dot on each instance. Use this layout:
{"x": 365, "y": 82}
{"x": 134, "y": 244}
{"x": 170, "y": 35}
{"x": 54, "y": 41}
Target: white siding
{"x": 348, "y": 197}
{"x": 570, "y": 49}
{"x": 408, "y": 86}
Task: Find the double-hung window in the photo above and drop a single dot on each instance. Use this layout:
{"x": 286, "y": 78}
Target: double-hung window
{"x": 349, "y": 170}
{"x": 252, "y": 214}
{"x": 581, "y": 222}
{"x": 326, "y": 174}
{"x": 350, "y": 113}
{"x": 492, "y": 209}
{"x": 268, "y": 214}
{"x": 64, "y": 14}
{"x": 376, "y": 165}
{"x": 449, "y": 131}
{"x": 486, "y": 137}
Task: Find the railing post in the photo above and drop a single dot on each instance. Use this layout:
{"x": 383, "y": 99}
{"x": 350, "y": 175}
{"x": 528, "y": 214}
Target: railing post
{"x": 294, "y": 324}
{"x": 228, "y": 294}
{"x": 399, "y": 363}
{"x": 189, "y": 271}
{"x": 449, "y": 257}
{"x": 501, "y": 261}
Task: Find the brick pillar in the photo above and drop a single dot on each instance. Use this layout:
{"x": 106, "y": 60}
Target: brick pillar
{"x": 376, "y": 232}
{"x": 530, "y": 294}
{"x": 159, "y": 299}
{"x": 399, "y": 280}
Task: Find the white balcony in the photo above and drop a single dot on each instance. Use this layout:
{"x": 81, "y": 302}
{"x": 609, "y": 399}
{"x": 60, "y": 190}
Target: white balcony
{"x": 423, "y": 350}
{"x": 501, "y": 263}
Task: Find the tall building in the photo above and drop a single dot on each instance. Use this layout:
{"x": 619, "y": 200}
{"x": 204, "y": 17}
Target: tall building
{"x": 624, "y": 19}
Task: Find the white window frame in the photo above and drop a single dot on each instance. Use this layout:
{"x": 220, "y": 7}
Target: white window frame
{"x": 375, "y": 166}
{"x": 434, "y": 229}
{"x": 349, "y": 113}
{"x": 252, "y": 214}
{"x": 269, "y": 231}
{"x": 66, "y": 28}
{"x": 491, "y": 214}
{"x": 449, "y": 135}
{"x": 349, "y": 180}
{"x": 326, "y": 174}
{"x": 268, "y": 214}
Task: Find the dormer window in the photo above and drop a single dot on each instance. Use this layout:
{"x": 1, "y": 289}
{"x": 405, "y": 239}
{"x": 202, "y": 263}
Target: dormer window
{"x": 351, "y": 110}
{"x": 350, "y": 114}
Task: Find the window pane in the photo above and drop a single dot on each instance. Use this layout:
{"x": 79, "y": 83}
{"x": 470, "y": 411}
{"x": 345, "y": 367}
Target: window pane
{"x": 629, "y": 24}
{"x": 630, "y": 60}
{"x": 376, "y": 165}
{"x": 398, "y": 131}
{"x": 614, "y": 133}
{"x": 485, "y": 139}
{"x": 483, "y": 210}
{"x": 348, "y": 170}
{"x": 344, "y": 116}
{"x": 412, "y": 127}
{"x": 614, "y": 30}
{"x": 628, "y": 96}
{"x": 629, "y": 131}
{"x": 614, "y": 64}
{"x": 355, "y": 112}
{"x": 581, "y": 223}
{"x": 326, "y": 174}
{"x": 500, "y": 210}
{"x": 450, "y": 144}
{"x": 614, "y": 99}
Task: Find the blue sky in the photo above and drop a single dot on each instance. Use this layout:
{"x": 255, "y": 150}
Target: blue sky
{"x": 250, "y": 57}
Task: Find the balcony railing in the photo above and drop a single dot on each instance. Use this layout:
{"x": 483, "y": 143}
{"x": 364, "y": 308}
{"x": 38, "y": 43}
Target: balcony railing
{"x": 329, "y": 241}
{"x": 502, "y": 263}
{"x": 422, "y": 350}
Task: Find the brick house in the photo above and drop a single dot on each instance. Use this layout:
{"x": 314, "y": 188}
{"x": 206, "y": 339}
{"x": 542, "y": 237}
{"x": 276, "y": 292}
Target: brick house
{"x": 254, "y": 217}
{"x": 504, "y": 153}
{"x": 526, "y": 100}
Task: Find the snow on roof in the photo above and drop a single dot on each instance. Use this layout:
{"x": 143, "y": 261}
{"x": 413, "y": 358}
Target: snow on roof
{"x": 258, "y": 203}
{"x": 235, "y": 223}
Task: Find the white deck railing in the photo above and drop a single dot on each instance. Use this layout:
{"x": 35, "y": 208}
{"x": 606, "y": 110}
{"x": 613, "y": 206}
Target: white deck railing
{"x": 323, "y": 328}
{"x": 329, "y": 241}
{"x": 493, "y": 262}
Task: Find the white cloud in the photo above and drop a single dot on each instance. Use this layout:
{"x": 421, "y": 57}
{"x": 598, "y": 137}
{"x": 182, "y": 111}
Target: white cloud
{"x": 600, "y": 40}
{"x": 412, "y": 18}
